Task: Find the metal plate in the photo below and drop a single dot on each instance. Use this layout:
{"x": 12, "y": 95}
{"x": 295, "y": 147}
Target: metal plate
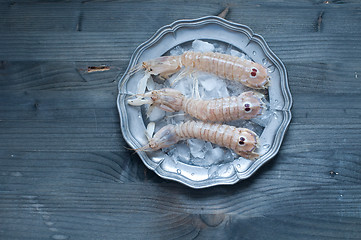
{"x": 225, "y": 32}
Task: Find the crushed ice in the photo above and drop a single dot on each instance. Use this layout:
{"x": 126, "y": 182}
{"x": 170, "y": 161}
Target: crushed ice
{"x": 201, "y": 46}
{"x": 195, "y": 151}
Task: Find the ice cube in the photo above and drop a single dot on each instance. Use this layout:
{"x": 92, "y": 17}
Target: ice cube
{"x": 156, "y": 114}
{"x": 214, "y": 155}
{"x": 220, "y": 48}
{"x": 181, "y": 153}
{"x": 150, "y": 84}
{"x": 207, "y": 82}
{"x": 222, "y": 91}
{"x": 196, "y": 147}
{"x": 236, "y": 53}
{"x": 207, "y": 146}
{"x": 212, "y": 87}
{"x": 229, "y": 155}
{"x": 202, "y": 46}
{"x": 209, "y": 156}
{"x": 177, "y": 51}
{"x": 263, "y": 119}
{"x": 184, "y": 85}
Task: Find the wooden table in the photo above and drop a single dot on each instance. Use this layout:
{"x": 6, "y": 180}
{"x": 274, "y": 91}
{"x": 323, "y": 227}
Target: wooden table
{"x": 65, "y": 172}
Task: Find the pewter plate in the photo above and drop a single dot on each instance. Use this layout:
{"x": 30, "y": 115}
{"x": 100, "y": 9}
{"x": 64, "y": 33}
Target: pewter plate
{"x": 224, "y": 32}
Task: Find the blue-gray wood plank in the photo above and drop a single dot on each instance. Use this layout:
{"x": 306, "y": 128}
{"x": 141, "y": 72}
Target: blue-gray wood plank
{"x": 65, "y": 171}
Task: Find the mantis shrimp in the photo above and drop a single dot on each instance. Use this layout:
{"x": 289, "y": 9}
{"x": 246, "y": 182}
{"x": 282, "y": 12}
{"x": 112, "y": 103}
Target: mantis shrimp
{"x": 247, "y": 105}
{"x": 234, "y": 68}
{"x": 241, "y": 140}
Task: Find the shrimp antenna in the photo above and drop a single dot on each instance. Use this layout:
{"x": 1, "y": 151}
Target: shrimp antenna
{"x": 174, "y": 115}
{"x": 180, "y": 75}
{"x": 129, "y": 95}
{"x": 135, "y": 69}
{"x": 137, "y": 149}
{"x": 145, "y": 148}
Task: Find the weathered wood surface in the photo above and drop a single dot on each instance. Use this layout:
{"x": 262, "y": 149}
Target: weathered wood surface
{"x": 65, "y": 172}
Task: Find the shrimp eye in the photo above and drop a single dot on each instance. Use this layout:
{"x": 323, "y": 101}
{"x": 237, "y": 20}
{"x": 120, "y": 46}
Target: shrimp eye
{"x": 241, "y": 140}
{"x": 247, "y": 107}
{"x": 254, "y": 72}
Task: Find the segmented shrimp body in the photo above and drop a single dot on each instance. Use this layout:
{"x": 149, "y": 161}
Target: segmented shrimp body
{"x": 247, "y": 105}
{"x": 234, "y": 68}
{"x": 241, "y": 140}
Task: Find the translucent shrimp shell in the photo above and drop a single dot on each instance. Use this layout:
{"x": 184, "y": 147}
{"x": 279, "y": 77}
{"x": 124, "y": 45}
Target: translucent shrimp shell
{"x": 241, "y": 140}
{"x": 246, "y": 106}
{"x": 249, "y": 73}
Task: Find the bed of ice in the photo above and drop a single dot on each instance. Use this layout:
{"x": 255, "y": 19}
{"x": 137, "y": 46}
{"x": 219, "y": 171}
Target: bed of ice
{"x": 194, "y": 151}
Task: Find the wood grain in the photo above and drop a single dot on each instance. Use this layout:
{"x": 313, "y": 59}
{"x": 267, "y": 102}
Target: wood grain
{"x": 333, "y": 199}
{"x": 65, "y": 171}
{"x": 115, "y": 46}
{"x": 310, "y": 77}
{"x": 60, "y": 121}
{"x": 300, "y": 227}
{"x": 147, "y": 16}
{"x": 64, "y": 76}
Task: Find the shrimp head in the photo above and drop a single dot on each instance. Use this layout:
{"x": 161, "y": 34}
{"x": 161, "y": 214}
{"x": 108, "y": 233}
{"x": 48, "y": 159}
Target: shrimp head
{"x": 167, "y": 99}
{"x": 252, "y": 104}
{"x": 165, "y": 137}
{"x": 247, "y": 142}
{"x": 257, "y": 76}
{"x": 163, "y": 66}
